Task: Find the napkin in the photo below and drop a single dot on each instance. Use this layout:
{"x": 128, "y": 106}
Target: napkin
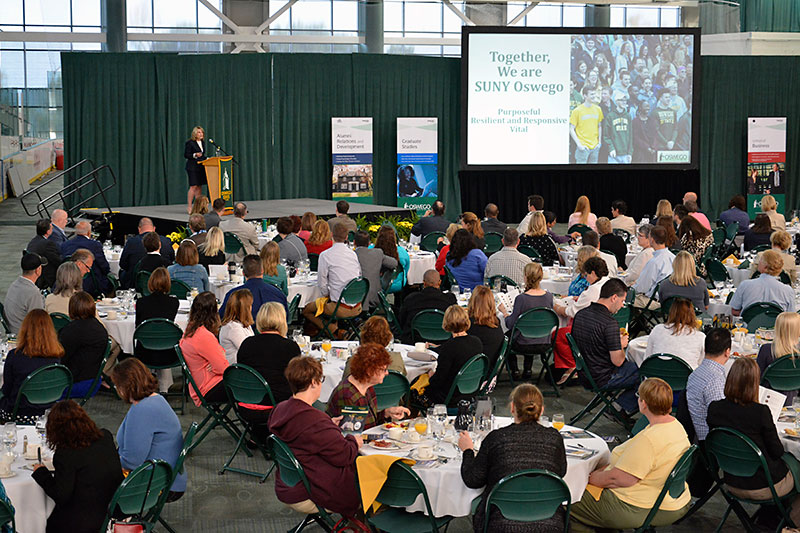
{"x": 731, "y": 258}
{"x": 321, "y": 301}
{"x": 421, "y": 383}
{"x": 594, "y": 491}
{"x": 372, "y": 473}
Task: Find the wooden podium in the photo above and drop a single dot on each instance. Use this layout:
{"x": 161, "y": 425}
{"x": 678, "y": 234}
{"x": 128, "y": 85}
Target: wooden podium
{"x": 219, "y": 174}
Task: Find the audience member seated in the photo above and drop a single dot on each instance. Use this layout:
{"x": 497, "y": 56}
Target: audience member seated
{"x": 695, "y": 239}
{"x": 657, "y": 268}
{"x": 787, "y": 337}
{"x": 342, "y": 208}
{"x": 186, "y": 267}
{"x": 292, "y": 247}
{"x": 374, "y": 262}
{"x": 430, "y": 297}
{"x": 432, "y": 220}
{"x": 591, "y": 238}
{"x": 23, "y": 295}
{"x": 246, "y": 232}
{"x": 533, "y": 297}
{"x": 213, "y": 250}
{"x": 268, "y": 353}
{"x": 328, "y": 457}
{"x": 466, "y": 262}
{"x": 453, "y": 355}
{"x": 740, "y": 410}
{"x": 523, "y": 445}
{"x": 37, "y": 346}
{"x": 537, "y": 238}
{"x": 770, "y": 207}
{"x": 679, "y": 335}
{"x": 150, "y": 429}
{"x": 596, "y": 273}
{"x": 707, "y": 383}
{"x": 262, "y": 291}
{"x": 84, "y": 340}
{"x": 153, "y": 258}
{"x": 197, "y": 225}
{"x": 274, "y": 271}
{"x": 42, "y": 245}
{"x": 550, "y": 218}
{"x": 97, "y": 284}
{"x": 320, "y": 239}
{"x": 634, "y": 478}
{"x": 620, "y": 219}
{"x": 670, "y": 238}
{"x": 386, "y": 241}
{"x": 368, "y": 367}
{"x": 214, "y": 217}
{"x": 338, "y": 266}
{"x": 86, "y": 473}
{"x": 484, "y": 323}
{"x": 579, "y": 283}
{"x": 684, "y": 282}
{"x": 236, "y": 324}
{"x": 663, "y": 209}
{"x": 306, "y": 225}
{"x": 759, "y": 234}
{"x": 611, "y": 242}
{"x": 157, "y": 304}
{"x": 375, "y": 330}
{"x": 59, "y": 220}
{"x": 781, "y": 242}
{"x": 134, "y": 251}
{"x": 535, "y": 203}
{"x": 199, "y": 206}
{"x": 204, "y": 355}
{"x": 603, "y": 346}
{"x": 490, "y": 224}
{"x": 444, "y": 247}
{"x": 641, "y": 259}
{"x": 471, "y": 223}
{"x": 583, "y": 214}
{"x": 508, "y": 261}
{"x": 766, "y": 287}
{"x": 694, "y": 212}
{"x": 736, "y": 212}
{"x": 69, "y": 280}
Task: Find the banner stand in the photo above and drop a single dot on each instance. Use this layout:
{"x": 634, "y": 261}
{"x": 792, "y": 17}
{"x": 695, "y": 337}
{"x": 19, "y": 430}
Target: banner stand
{"x": 766, "y": 162}
{"x": 417, "y": 163}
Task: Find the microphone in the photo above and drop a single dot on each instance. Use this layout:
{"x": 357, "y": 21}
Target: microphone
{"x": 212, "y": 142}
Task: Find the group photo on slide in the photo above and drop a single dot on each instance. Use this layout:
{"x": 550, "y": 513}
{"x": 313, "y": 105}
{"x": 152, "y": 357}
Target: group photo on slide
{"x": 630, "y": 98}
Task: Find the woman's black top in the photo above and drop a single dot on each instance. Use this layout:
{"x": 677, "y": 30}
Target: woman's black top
{"x": 616, "y": 245}
{"x": 491, "y": 339}
{"x": 544, "y": 245}
{"x": 453, "y": 354}
{"x": 753, "y": 239}
{"x": 17, "y": 367}
{"x": 269, "y": 355}
{"x": 84, "y": 343}
{"x": 218, "y": 259}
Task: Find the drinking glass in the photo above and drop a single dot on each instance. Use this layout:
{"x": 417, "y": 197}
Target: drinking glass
{"x": 454, "y": 288}
{"x": 326, "y": 348}
{"x": 120, "y": 295}
{"x": 10, "y": 435}
{"x": 719, "y": 284}
{"x": 497, "y": 284}
{"x": 796, "y": 407}
{"x": 421, "y": 425}
{"x": 558, "y": 421}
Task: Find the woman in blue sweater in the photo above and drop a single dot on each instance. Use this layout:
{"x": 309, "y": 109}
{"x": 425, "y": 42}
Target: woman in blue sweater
{"x": 151, "y": 429}
{"x": 466, "y": 262}
{"x": 187, "y": 268}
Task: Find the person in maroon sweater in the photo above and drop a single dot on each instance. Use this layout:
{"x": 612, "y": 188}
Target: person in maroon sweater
{"x": 328, "y": 458}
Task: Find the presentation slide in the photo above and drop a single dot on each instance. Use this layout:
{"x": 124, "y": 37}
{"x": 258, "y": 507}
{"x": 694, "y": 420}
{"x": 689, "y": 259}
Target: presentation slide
{"x": 535, "y": 98}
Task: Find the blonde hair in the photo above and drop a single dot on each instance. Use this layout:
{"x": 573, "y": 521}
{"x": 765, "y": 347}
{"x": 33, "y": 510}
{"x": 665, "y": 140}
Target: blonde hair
{"x": 215, "y": 242}
{"x": 528, "y": 402}
{"x": 270, "y": 257}
{"x": 481, "y": 308}
{"x": 583, "y": 207}
{"x": 195, "y": 130}
{"x": 781, "y": 239}
{"x": 683, "y": 270}
{"x": 584, "y": 253}
{"x": 200, "y": 205}
{"x": 451, "y": 231}
{"x": 456, "y": 319}
{"x": 537, "y": 225}
{"x": 773, "y": 262}
{"x": 664, "y": 209}
{"x": 272, "y": 317}
{"x": 787, "y": 334}
{"x": 768, "y": 203}
{"x": 321, "y": 233}
{"x": 603, "y": 225}
{"x": 533, "y": 275}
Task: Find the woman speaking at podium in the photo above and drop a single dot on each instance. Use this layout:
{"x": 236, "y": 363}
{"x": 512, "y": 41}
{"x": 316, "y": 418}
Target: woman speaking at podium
{"x": 193, "y": 152}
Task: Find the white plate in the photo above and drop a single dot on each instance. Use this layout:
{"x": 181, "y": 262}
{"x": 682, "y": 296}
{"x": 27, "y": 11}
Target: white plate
{"x": 384, "y": 448}
{"x": 6, "y": 476}
{"x": 414, "y": 455}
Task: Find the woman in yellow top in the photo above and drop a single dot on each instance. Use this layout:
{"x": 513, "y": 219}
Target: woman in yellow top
{"x": 770, "y": 207}
{"x": 633, "y": 480}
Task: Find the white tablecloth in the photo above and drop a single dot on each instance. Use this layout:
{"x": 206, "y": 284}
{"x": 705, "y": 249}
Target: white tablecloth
{"x": 448, "y": 494}
{"x": 638, "y": 346}
{"x": 569, "y": 254}
{"x": 307, "y": 290}
{"x": 333, "y": 368}
{"x": 113, "y": 262}
{"x": 738, "y": 276}
{"x": 122, "y": 328}
{"x": 555, "y": 287}
{"x": 420, "y": 262}
{"x": 31, "y": 504}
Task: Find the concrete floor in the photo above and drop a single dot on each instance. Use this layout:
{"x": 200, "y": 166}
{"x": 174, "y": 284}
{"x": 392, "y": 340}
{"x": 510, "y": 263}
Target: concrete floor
{"x": 235, "y": 502}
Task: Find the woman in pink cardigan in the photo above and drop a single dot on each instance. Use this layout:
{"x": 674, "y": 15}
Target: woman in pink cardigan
{"x": 204, "y": 356}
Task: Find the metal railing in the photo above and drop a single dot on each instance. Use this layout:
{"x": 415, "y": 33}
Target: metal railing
{"x": 70, "y": 194}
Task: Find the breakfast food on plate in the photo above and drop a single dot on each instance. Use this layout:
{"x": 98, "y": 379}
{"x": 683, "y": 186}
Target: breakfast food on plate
{"x": 412, "y": 436}
{"x": 390, "y": 425}
{"x": 791, "y": 431}
{"x": 382, "y": 444}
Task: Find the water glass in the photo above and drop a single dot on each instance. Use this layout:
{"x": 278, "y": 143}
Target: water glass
{"x": 455, "y": 289}
{"x": 10, "y": 435}
{"x": 796, "y": 407}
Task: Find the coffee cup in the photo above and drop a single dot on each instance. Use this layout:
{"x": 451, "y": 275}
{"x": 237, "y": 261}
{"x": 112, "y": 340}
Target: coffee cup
{"x": 112, "y": 314}
{"x": 425, "y": 452}
{"x": 395, "y": 433}
{"x": 419, "y": 347}
{"x": 33, "y": 451}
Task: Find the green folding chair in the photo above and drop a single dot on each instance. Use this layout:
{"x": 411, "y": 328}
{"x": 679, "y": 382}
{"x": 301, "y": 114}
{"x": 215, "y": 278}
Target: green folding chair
{"x": 640, "y": 424}
{"x": 291, "y": 472}
{"x": 430, "y": 242}
{"x": 385, "y": 308}
{"x": 427, "y": 326}
{"x": 294, "y": 306}
{"x": 528, "y": 496}
{"x": 353, "y": 294}
{"x": 492, "y": 242}
{"x": 451, "y": 279}
{"x": 719, "y": 236}
{"x": 623, "y": 316}
{"x": 716, "y": 270}
{"x": 155, "y": 512}
{"x": 179, "y": 289}
{"x": 59, "y": 320}
{"x": 508, "y": 282}
{"x": 400, "y": 490}
{"x": 160, "y": 334}
{"x": 468, "y": 381}
{"x": 112, "y": 279}
{"x": 603, "y": 397}
{"x": 388, "y": 279}
{"x": 672, "y": 369}
{"x": 313, "y": 262}
{"x": 244, "y": 385}
{"x": 783, "y": 374}
{"x": 139, "y": 493}
{"x": 233, "y": 244}
{"x": 494, "y": 375}
{"x": 43, "y": 387}
{"x": 761, "y": 248}
{"x": 392, "y": 391}
{"x": 530, "y": 251}
{"x": 675, "y": 485}
{"x": 783, "y": 277}
{"x": 533, "y": 324}
{"x": 760, "y": 315}
{"x": 4, "y": 319}
{"x": 737, "y": 455}
{"x": 647, "y": 317}
{"x": 142, "y": 277}
{"x": 580, "y": 228}
{"x": 98, "y": 377}
{"x": 666, "y": 305}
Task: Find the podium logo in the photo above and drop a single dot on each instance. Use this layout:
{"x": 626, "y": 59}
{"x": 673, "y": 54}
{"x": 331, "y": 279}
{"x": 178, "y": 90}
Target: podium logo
{"x": 226, "y": 181}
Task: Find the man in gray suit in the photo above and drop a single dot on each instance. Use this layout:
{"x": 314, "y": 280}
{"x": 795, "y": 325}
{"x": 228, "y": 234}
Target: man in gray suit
{"x": 23, "y": 295}
{"x": 373, "y": 261}
{"x": 244, "y": 230}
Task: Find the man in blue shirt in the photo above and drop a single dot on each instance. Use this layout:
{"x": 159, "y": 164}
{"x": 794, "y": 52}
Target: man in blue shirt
{"x": 765, "y": 288}
{"x": 736, "y": 212}
{"x": 656, "y": 269}
{"x": 262, "y": 291}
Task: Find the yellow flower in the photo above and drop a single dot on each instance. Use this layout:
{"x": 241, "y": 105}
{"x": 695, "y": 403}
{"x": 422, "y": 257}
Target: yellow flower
{"x": 373, "y": 228}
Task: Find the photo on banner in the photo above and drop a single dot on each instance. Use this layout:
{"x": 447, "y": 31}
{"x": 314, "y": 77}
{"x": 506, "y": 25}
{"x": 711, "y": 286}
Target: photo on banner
{"x": 417, "y": 162}
{"x": 766, "y": 162}
{"x": 352, "y": 159}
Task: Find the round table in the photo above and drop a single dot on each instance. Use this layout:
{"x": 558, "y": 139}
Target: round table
{"x": 265, "y": 237}
{"x": 569, "y": 253}
{"x": 122, "y": 328}
{"x": 638, "y": 347}
{"x": 32, "y": 506}
{"x": 420, "y": 263}
{"x": 737, "y": 275}
{"x": 113, "y": 261}
{"x": 556, "y": 286}
{"x": 449, "y": 496}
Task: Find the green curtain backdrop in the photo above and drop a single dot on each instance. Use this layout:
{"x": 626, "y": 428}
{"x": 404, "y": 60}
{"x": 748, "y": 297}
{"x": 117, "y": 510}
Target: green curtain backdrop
{"x": 272, "y": 111}
{"x": 769, "y": 15}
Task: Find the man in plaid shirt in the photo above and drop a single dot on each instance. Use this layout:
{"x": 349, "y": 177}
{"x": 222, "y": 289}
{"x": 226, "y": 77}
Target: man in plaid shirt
{"x": 508, "y": 261}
